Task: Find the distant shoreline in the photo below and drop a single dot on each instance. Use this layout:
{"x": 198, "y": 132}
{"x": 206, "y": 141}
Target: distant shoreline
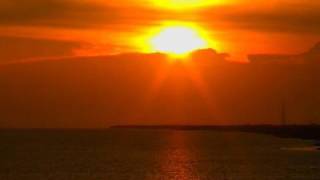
{"x": 306, "y": 132}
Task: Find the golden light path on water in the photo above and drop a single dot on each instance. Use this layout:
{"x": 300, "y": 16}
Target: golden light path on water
{"x": 177, "y": 159}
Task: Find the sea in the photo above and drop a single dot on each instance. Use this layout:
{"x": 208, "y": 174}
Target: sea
{"x": 116, "y": 154}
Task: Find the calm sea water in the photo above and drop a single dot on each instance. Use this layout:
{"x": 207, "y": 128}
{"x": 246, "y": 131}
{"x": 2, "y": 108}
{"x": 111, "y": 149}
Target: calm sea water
{"x": 154, "y": 154}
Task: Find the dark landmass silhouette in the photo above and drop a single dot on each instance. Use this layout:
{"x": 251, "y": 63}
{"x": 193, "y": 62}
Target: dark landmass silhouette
{"x": 95, "y": 92}
{"x": 311, "y": 56}
{"x": 307, "y": 132}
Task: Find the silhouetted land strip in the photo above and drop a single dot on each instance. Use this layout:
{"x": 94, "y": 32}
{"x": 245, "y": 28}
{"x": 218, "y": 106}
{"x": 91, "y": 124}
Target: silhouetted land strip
{"x": 308, "y": 132}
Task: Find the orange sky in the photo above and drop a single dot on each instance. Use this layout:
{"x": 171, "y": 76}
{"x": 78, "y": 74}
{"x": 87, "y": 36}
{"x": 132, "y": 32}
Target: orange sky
{"x": 44, "y": 82}
{"x": 95, "y": 27}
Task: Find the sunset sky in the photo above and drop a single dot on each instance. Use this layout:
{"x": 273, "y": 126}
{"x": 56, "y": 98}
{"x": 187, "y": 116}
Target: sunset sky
{"x": 95, "y": 63}
{"x": 55, "y": 28}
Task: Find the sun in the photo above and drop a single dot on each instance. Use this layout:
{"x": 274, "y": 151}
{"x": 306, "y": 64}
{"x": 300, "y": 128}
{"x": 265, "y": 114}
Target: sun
{"x": 177, "y": 40}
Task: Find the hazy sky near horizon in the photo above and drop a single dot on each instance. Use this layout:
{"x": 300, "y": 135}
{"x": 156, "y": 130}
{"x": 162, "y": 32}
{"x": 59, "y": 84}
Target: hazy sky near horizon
{"x": 94, "y": 27}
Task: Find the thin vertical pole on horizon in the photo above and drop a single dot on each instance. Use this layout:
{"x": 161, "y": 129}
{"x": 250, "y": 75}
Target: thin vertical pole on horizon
{"x": 284, "y": 98}
{"x": 284, "y": 113}
{"x": 314, "y": 86}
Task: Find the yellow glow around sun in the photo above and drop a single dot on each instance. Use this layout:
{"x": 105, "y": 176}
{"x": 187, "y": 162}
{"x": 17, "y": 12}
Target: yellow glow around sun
{"x": 177, "y": 40}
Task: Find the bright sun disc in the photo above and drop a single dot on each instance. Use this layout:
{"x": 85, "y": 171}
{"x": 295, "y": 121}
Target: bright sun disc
{"x": 177, "y": 40}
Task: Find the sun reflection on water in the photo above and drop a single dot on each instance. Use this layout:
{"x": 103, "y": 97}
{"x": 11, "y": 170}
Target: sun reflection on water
{"x": 176, "y": 161}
